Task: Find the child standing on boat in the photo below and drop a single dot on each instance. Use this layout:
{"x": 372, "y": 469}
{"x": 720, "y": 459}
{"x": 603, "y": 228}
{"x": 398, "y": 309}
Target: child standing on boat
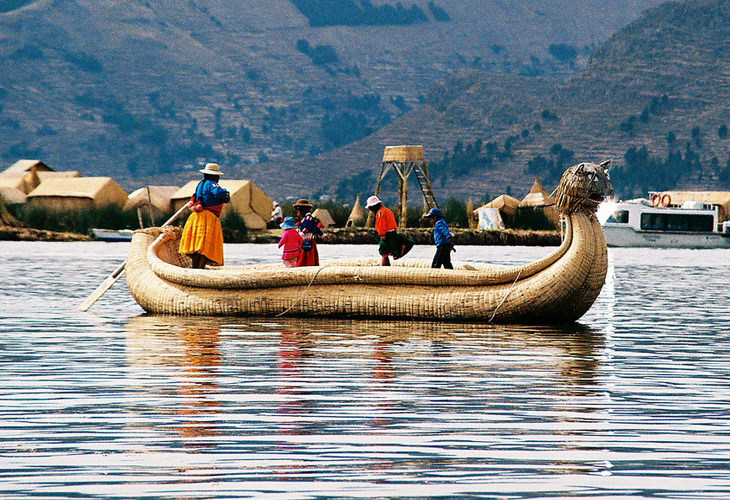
{"x": 291, "y": 241}
{"x": 443, "y": 238}
{"x": 391, "y": 243}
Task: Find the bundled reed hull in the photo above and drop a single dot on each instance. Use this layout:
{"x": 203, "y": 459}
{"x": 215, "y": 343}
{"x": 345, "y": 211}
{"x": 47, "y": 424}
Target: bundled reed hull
{"x": 558, "y": 288}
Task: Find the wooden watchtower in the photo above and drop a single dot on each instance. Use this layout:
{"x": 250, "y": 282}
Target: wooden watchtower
{"x": 405, "y": 160}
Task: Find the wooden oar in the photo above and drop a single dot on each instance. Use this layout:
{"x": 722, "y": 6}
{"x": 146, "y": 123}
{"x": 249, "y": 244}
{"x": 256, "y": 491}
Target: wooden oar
{"x": 117, "y": 273}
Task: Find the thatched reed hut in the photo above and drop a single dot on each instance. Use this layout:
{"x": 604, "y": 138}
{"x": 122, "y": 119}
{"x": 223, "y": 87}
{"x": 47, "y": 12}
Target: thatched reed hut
{"x": 157, "y": 197}
{"x": 357, "y": 214}
{"x": 77, "y": 193}
{"x": 247, "y": 199}
{"x": 506, "y": 205}
{"x": 22, "y": 167}
{"x": 28, "y": 181}
{"x": 324, "y": 217}
{"x": 539, "y": 199}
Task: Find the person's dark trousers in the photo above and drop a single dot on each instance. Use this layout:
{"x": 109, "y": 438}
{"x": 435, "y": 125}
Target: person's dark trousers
{"x": 442, "y": 257}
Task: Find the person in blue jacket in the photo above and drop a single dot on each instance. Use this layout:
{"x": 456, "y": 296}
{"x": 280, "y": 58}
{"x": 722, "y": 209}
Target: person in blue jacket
{"x": 443, "y": 238}
{"x": 202, "y": 236}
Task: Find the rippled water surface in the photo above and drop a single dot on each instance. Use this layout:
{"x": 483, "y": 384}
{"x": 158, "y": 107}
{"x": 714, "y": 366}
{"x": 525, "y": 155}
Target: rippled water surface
{"x": 632, "y": 402}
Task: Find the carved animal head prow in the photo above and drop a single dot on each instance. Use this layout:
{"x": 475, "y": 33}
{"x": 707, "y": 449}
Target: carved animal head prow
{"x": 583, "y": 187}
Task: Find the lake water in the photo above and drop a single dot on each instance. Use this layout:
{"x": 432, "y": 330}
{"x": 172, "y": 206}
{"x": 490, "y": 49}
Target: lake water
{"x": 632, "y": 402}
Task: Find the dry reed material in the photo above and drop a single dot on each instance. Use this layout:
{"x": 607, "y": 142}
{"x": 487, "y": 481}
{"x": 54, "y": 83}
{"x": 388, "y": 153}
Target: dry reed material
{"x": 560, "y": 287}
{"x": 403, "y": 153}
{"x": 580, "y": 187}
{"x": 556, "y": 288}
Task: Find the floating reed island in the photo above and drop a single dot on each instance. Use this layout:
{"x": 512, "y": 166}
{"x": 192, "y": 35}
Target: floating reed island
{"x": 557, "y": 288}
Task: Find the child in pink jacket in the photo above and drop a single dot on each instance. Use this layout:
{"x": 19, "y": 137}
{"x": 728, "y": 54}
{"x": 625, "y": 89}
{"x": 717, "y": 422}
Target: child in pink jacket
{"x": 291, "y": 240}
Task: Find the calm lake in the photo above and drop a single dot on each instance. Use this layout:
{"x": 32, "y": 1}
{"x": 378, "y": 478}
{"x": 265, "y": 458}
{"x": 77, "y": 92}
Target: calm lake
{"x": 632, "y": 402}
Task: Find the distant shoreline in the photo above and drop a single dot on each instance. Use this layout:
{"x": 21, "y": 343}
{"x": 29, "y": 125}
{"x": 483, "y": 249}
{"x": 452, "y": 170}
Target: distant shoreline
{"x": 338, "y": 236}
{"x": 424, "y": 236}
{"x": 8, "y": 233}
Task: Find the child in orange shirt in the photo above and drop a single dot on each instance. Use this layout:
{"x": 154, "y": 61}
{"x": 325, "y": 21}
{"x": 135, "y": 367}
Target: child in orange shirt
{"x": 391, "y": 243}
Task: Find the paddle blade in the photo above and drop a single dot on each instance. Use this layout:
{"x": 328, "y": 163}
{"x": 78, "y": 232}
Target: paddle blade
{"x": 101, "y": 289}
{"x": 107, "y": 284}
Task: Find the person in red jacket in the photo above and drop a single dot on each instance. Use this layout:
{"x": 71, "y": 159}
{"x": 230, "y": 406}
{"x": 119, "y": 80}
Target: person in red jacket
{"x": 391, "y": 243}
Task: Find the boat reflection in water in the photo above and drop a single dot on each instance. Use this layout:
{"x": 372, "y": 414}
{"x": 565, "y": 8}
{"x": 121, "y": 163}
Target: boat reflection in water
{"x": 245, "y": 384}
{"x": 179, "y": 364}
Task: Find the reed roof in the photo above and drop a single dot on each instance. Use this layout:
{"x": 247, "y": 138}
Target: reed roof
{"x": 538, "y": 196}
{"x": 24, "y": 166}
{"x": 715, "y": 197}
{"x": 52, "y": 174}
{"x": 103, "y": 190}
{"x": 28, "y": 181}
{"x": 403, "y": 153}
{"x": 324, "y": 217}
{"x": 719, "y": 198}
{"x": 357, "y": 213}
{"x": 246, "y": 198}
{"x": 12, "y": 195}
{"x": 504, "y": 203}
{"x": 13, "y": 181}
{"x": 159, "y": 197}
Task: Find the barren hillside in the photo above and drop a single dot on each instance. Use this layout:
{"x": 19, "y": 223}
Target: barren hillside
{"x": 653, "y": 99}
{"x": 150, "y": 88}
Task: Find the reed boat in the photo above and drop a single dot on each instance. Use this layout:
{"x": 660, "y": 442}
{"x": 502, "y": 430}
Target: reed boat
{"x": 557, "y": 288}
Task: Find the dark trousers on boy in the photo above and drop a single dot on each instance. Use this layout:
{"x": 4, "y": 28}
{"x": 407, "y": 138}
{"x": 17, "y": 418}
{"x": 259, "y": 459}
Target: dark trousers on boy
{"x": 442, "y": 257}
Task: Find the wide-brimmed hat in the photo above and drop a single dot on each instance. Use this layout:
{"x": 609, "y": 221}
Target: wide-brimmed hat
{"x": 289, "y": 223}
{"x": 211, "y": 168}
{"x": 302, "y": 203}
{"x": 372, "y": 201}
{"x": 434, "y": 212}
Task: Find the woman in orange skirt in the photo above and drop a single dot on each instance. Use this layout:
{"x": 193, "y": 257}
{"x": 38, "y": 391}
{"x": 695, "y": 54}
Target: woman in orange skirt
{"x": 202, "y": 237}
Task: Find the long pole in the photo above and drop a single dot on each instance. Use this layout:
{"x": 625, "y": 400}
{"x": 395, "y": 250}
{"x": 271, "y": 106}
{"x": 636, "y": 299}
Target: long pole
{"x": 150, "y": 206}
{"x": 117, "y": 273}
{"x": 404, "y": 198}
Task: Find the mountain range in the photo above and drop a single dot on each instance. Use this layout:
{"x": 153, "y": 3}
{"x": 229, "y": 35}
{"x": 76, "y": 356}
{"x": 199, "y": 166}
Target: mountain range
{"x": 302, "y": 96}
{"x": 653, "y": 99}
{"x": 145, "y": 90}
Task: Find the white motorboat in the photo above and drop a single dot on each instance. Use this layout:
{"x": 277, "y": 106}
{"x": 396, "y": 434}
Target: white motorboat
{"x": 112, "y": 235}
{"x": 639, "y": 223}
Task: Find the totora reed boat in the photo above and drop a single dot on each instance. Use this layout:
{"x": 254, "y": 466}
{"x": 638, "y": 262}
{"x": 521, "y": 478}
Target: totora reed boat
{"x": 557, "y": 288}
